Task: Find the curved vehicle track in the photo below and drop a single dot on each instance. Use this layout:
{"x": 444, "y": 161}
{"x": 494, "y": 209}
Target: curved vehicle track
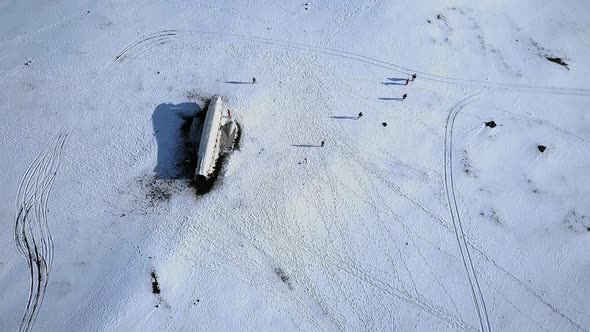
{"x": 456, "y": 218}
{"x": 32, "y": 235}
{"x": 478, "y": 299}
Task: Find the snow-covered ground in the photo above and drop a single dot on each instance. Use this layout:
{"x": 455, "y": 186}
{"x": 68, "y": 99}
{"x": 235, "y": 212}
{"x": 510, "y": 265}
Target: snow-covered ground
{"x": 416, "y": 216}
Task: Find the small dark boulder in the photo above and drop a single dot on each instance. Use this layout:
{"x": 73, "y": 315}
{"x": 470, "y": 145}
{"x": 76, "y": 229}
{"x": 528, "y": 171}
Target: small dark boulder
{"x": 384, "y": 124}
{"x": 155, "y": 284}
{"x": 557, "y": 60}
{"x": 491, "y": 124}
{"x": 541, "y": 148}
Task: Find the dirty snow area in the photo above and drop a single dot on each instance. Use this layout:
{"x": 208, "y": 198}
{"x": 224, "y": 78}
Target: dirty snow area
{"x": 463, "y": 207}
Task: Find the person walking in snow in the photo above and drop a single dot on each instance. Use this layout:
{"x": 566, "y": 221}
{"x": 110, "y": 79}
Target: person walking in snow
{"x": 360, "y": 115}
{"x": 322, "y": 144}
{"x": 413, "y": 77}
{"x": 253, "y": 80}
{"x": 404, "y": 96}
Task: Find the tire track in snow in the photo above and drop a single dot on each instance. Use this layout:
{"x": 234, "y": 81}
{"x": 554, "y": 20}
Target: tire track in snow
{"x": 330, "y": 258}
{"x": 460, "y": 105}
{"x": 476, "y": 293}
{"x": 473, "y": 246}
{"x": 389, "y": 211}
{"x": 278, "y": 44}
{"x": 384, "y": 208}
{"x": 455, "y": 216}
{"x": 369, "y": 168}
{"x": 401, "y": 292}
{"x": 346, "y": 250}
{"x": 32, "y": 234}
{"x": 457, "y": 227}
{"x": 372, "y": 170}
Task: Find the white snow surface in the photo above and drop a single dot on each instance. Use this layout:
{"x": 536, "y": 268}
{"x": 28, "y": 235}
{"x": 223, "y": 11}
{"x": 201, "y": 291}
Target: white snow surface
{"x": 434, "y": 222}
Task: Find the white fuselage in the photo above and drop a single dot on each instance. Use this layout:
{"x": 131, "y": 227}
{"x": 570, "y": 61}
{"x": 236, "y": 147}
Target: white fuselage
{"x": 208, "y": 151}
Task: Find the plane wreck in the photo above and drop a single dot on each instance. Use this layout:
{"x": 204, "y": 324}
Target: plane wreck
{"x": 219, "y": 133}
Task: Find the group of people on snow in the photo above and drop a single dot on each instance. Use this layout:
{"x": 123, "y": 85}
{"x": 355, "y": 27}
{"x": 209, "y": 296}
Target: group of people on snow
{"x": 404, "y": 96}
